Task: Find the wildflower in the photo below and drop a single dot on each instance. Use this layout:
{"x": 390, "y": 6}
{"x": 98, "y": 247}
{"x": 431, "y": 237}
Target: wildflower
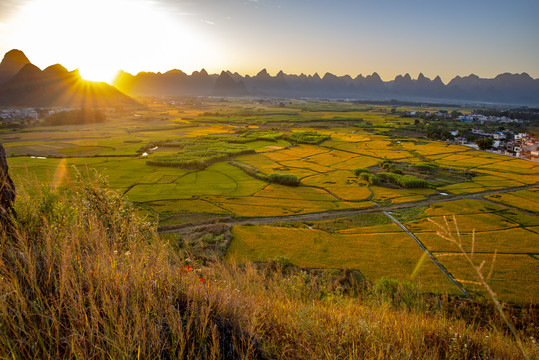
{"x": 127, "y": 253}
{"x": 187, "y": 269}
{"x": 202, "y": 280}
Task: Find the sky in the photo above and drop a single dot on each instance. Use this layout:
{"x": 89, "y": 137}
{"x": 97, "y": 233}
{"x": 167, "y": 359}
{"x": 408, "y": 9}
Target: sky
{"x": 391, "y": 37}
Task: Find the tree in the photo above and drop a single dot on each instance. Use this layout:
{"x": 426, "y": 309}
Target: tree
{"x": 485, "y": 143}
{"x": 455, "y": 114}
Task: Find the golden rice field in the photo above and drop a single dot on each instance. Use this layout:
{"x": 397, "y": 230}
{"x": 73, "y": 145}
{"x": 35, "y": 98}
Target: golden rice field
{"x": 514, "y": 278}
{"x": 396, "y": 196}
{"x": 331, "y": 159}
{"x": 328, "y": 183}
{"x": 185, "y": 206}
{"x": 484, "y": 228}
{"x": 267, "y": 166}
{"x": 306, "y": 164}
{"x": 376, "y": 255}
{"x": 466, "y": 223}
{"x": 432, "y": 147}
{"x": 279, "y": 200}
{"x": 523, "y": 199}
{"x": 296, "y": 153}
{"x": 515, "y": 240}
{"x": 375, "y": 229}
{"x": 463, "y": 206}
{"x": 356, "y": 162}
{"x": 342, "y": 183}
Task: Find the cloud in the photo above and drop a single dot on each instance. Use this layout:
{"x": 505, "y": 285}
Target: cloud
{"x": 208, "y": 22}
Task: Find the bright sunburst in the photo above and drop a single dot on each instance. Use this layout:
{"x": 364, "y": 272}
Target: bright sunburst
{"x": 96, "y": 72}
{"x": 102, "y": 36}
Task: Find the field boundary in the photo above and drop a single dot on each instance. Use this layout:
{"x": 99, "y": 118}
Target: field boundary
{"x": 430, "y": 255}
{"x": 343, "y": 213}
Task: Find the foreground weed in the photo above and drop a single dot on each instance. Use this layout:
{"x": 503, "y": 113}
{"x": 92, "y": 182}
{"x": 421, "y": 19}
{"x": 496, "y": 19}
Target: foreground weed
{"x": 446, "y": 233}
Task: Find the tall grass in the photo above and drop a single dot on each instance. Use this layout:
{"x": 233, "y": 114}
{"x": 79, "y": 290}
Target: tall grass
{"x": 84, "y": 278}
{"x": 453, "y": 236}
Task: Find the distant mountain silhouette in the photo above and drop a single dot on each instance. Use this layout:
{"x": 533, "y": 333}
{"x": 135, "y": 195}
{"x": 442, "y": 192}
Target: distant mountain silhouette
{"x": 12, "y": 62}
{"x": 504, "y": 88}
{"x": 54, "y": 86}
{"x": 225, "y": 85}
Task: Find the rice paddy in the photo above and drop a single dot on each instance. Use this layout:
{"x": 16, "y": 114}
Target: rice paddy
{"x": 376, "y": 255}
{"x": 505, "y": 222}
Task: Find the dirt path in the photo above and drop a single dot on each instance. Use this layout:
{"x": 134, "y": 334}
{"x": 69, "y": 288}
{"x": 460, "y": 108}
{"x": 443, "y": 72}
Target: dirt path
{"x": 337, "y": 213}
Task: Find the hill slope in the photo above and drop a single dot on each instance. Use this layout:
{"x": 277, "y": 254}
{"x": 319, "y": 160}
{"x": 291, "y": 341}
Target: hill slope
{"x": 13, "y": 61}
{"x": 83, "y": 277}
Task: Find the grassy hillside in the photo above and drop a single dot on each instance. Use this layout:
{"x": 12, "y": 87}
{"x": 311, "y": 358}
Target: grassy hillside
{"x": 83, "y": 277}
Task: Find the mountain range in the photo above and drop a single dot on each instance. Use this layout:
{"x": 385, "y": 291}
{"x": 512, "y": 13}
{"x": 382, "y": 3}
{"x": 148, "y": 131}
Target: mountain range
{"x": 505, "y": 88}
{"x": 24, "y": 84}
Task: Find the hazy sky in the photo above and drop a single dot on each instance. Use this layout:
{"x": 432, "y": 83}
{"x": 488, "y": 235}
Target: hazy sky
{"x": 391, "y": 37}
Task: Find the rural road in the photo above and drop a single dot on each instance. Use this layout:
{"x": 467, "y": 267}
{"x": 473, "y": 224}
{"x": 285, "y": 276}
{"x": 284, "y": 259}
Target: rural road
{"x": 186, "y": 228}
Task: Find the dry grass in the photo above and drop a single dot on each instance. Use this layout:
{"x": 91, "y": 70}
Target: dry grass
{"x": 85, "y": 279}
{"x": 481, "y": 273}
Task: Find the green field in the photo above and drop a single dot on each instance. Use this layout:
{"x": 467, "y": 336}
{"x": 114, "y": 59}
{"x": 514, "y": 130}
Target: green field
{"x": 290, "y": 141}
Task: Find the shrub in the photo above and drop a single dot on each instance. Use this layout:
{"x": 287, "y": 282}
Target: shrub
{"x": 405, "y": 181}
{"x": 425, "y": 166}
{"x": 307, "y": 137}
{"x": 371, "y": 178}
{"x": 289, "y": 180}
{"x": 360, "y": 171}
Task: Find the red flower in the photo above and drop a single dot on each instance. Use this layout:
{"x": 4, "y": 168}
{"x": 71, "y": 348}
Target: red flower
{"x": 202, "y": 280}
{"x": 187, "y": 269}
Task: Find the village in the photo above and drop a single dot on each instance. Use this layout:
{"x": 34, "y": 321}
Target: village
{"x": 505, "y": 142}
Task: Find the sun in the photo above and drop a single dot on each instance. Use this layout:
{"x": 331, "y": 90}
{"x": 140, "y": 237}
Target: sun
{"x": 100, "y": 37}
{"x": 98, "y": 73}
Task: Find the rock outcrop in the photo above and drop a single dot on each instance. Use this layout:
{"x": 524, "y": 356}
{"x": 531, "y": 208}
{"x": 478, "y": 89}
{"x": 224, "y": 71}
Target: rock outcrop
{"x": 7, "y": 191}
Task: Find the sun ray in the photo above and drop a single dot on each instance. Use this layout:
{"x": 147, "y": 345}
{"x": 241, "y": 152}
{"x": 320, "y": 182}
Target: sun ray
{"x": 61, "y": 174}
{"x": 418, "y": 265}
